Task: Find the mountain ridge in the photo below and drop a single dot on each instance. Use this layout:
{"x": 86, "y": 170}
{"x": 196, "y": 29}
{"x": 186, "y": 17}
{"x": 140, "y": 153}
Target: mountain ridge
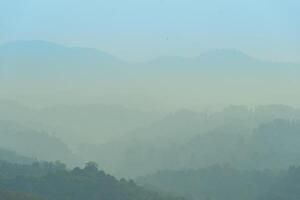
{"x": 212, "y": 53}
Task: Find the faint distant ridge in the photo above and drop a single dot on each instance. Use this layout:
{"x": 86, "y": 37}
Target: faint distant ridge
{"x": 212, "y": 58}
{"x": 210, "y": 54}
{"x": 25, "y": 47}
{"x": 49, "y": 60}
{"x": 41, "y": 47}
{"x": 225, "y": 54}
{"x": 228, "y": 58}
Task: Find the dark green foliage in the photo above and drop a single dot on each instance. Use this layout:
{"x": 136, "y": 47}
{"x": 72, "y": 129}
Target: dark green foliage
{"x": 36, "y": 169}
{"x": 215, "y": 182}
{"x": 287, "y": 187}
{"x": 224, "y": 183}
{"x": 12, "y": 195}
{"x": 13, "y": 157}
{"x": 54, "y": 182}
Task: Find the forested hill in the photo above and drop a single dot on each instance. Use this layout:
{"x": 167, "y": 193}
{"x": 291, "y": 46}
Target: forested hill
{"x": 226, "y": 183}
{"x": 52, "y": 181}
{"x": 13, "y": 195}
{"x": 11, "y": 156}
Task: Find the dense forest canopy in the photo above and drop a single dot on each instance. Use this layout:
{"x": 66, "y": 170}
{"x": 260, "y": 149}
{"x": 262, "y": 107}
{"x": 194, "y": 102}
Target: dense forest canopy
{"x": 223, "y": 182}
{"x": 53, "y": 181}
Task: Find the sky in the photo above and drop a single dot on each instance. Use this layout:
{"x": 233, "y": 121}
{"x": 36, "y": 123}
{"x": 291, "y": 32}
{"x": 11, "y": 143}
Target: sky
{"x": 138, "y": 30}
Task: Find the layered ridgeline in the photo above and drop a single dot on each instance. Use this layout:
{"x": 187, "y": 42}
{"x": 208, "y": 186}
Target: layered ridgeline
{"x": 46, "y": 180}
{"x": 52, "y": 181}
{"x": 137, "y": 140}
{"x": 223, "y": 183}
{"x": 81, "y": 123}
{"x": 257, "y": 138}
{"x": 130, "y": 143}
{"x": 32, "y": 143}
{"x": 51, "y": 72}
{"x": 32, "y": 58}
{"x": 41, "y": 60}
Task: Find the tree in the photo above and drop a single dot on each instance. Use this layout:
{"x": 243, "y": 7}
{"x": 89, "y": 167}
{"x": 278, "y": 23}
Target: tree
{"x": 91, "y": 166}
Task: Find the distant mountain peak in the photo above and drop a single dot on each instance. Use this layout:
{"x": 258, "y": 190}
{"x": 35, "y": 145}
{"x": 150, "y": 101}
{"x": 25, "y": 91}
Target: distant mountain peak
{"x": 31, "y": 42}
{"x": 225, "y": 53}
{"x": 19, "y": 46}
{"x": 52, "y": 60}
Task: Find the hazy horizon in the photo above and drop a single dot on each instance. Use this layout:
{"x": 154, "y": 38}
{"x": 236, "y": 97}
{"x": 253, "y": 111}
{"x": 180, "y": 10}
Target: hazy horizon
{"x": 266, "y": 29}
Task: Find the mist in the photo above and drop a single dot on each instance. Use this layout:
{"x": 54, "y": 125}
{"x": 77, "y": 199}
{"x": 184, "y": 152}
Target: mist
{"x": 160, "y": 100}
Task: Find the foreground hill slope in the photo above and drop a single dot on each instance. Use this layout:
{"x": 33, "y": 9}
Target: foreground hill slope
{"x": 13, "y": 157}
{"x": 223, "y": 183}
{"x": 34, "y": 143}
{"x": 13, "y": 195}
{"x": 76, "y": 184}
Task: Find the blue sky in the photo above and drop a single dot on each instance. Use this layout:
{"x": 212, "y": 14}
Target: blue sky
{"x": 141, "y": 30}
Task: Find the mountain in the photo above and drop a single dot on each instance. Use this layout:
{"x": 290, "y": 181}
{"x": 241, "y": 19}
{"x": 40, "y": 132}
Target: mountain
{"x": 13, "y": 157}
{"x": 98, "y": 122}
{"x": 215, "y": 183}
{"x": 49, "y": 61}
{"x": 95, "y": 122}
{"x": 89, "y": 182}
{"x": 226, "y": 61}
{"x": 193, "y": 140}
{"x": 45, "y": 59}
{"x": 212, "y": 58}
{"x": 275, "y": 144}
{"x": 13, "y": 195}
{"x": 222, "y": 183}
{"x": 48, "y": 72}
{"x": 34, "y": 143}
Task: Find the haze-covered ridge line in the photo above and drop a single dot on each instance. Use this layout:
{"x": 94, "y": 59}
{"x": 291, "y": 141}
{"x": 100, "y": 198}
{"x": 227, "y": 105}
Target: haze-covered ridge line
{"x": 210, "y": 54}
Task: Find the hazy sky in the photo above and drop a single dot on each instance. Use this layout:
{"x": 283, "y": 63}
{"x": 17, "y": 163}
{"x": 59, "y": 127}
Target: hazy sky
{"x": 140, "y": 29}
